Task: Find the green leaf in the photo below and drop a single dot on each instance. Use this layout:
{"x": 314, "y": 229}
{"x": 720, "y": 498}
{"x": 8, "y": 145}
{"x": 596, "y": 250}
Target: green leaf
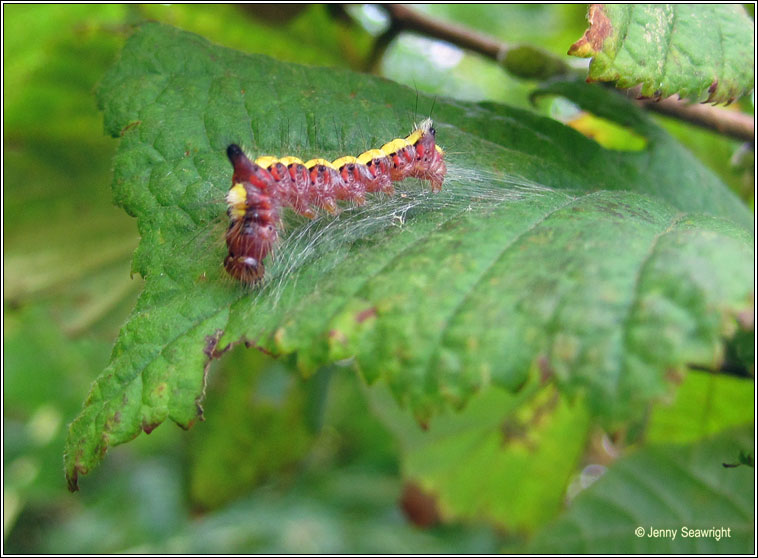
{"x": 703, "y": 52}
{"x": 36, "y": 412}
{"x": 266, "y": 405}
{"x": 322, "y": 38}
{"x": 602, "y": 268}
{"x": 64, "y": 242}
{"x": 55, "y": 57}
{"x": 704, "y": 405}
{"x": 348, "y": 510}
{"x": 663, "y": 487}
{"x": 505, "y": 458}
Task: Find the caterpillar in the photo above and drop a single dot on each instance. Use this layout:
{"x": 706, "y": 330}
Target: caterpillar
{"x": 262, "y": 188}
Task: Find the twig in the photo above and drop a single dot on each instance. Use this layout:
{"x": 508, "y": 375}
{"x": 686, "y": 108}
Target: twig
{"x": 521, "y": 60}
{"x": 410, "y": 20}
{"x": 730, "y": 123}
{"x": 727, "y": 122}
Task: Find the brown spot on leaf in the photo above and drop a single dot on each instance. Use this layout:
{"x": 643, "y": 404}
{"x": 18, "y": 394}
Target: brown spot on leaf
{"x": 265, "y": 351}
{"x": 73, "y": 480}
{"x": 148, "y": 428}
{"x": 130, "y": 126}
{"x": 675, "y": 376}
{"x": 592, "y": 41}
{"x": 102, "y": 447}
{"x": 419, "y": 506}
{"x": 546, "y": 369}
{"x": 189, "y": 424}
{"x": 251, "y": 345}
{"x": 364, "y": 315}
{"x": 338, "y": 336}
{"x": 211, "y": 342}
{"x": 519, "y": 429}
{"x": 513, "y": 430}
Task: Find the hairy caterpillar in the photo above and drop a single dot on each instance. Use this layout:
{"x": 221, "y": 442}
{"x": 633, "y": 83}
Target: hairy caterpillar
{"x": 260, "y": 190}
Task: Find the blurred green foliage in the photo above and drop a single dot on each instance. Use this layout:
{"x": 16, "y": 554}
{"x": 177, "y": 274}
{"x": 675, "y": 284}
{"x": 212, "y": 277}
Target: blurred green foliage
{"x": 335, "y": 481}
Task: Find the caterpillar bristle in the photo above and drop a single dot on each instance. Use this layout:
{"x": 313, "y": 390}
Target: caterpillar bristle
{"x": 425, "y": 125}
{"x": 261, "y": 188}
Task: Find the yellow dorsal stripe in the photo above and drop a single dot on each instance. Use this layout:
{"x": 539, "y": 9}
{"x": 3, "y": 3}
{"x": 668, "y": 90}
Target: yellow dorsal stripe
{"x": 414, "y": 137}
{"x": 313, "y": 162}
{"x": 266, "y": 161}
{"x": 394, "y": 146}
{"x": 342, "y": 161}
{"x": 368, "y": 156}
{"x": 237, "y": 195}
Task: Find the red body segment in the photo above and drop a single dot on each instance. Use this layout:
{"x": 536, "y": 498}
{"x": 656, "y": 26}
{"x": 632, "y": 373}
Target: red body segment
{"x": 403, "y": 162}
{"x": 379, "y": 169}
{"x": 429, "y": 162}
{"x": 292, "y": 186}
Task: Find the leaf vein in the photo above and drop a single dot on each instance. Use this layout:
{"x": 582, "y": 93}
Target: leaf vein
{"x": 485, "y": 271}
{"x": 625, "y": 324}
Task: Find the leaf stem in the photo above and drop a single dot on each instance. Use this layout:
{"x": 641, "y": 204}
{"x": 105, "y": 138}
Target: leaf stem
{"x": 732, "y": 123}
{"x": 723, "y": 121}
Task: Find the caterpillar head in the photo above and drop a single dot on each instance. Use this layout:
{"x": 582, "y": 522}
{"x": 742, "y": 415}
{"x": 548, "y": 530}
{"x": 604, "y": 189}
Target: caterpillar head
{"x": 246, "y": 170}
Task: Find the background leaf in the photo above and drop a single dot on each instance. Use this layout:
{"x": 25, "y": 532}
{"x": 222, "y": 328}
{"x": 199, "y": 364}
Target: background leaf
{"x": 663, "y": 487}
{"x": 703, "y": 405}
{"x": 700, "y": 52}
{"x": 66, "y": 250}
{"x": 506, "y": 458}
{"x": 269, "y": 410}
{"x": 541, "y": 250}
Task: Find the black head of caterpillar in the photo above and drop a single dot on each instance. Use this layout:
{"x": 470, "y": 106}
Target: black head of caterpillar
{"x": 260, "y": 189}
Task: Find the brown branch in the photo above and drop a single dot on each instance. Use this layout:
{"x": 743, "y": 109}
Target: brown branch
{"x": 727, "y": 122}
{"x": 730, "y": 123}
{"x": 521, "y": 60}
{"x": 410, "y": 20}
